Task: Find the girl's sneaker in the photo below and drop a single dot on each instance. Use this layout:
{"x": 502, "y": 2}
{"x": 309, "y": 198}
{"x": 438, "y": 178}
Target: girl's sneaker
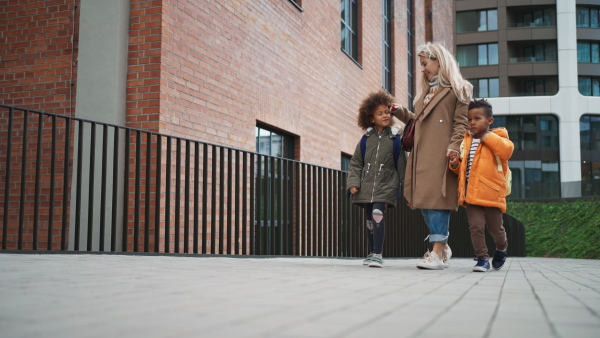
{"x": 376, "y": 261}
{"x": 446, "y": 254}
{"x": 431, "y": 261}
{"x": 483, "y": 265}
{"x": 367, "y": 260}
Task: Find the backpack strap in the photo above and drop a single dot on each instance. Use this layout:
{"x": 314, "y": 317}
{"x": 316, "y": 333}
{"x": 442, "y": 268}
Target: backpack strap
{"x": 499, "y": 163}
{"x": 363, "y": 147}
{"x": 397, "y": 149}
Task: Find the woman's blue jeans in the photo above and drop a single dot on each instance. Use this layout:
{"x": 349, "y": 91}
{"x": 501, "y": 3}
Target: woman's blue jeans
{"x": 438, "y": 222}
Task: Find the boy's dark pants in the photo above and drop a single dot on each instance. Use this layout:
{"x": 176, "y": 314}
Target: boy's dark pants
{"x": 478, "y": 218}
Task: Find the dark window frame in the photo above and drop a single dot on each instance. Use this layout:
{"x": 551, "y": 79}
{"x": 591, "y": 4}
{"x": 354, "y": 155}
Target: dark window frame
{"x": 544, "y": 49}
{"x": 589, "y": 14}
{"x": 345, "y": 161}
{"x": 297, "y": 4}
{"x": 387, "y": 45}
{"x": 533, "y": 15}
{"x": 594, "y": 84}
{"x": 591, "y": 57}
{"x": 478, "y": 17}
{"x": 288, "y": 146}
{"x": 410, "y": 51}
{"x": 545, "y": 82}
{"x": 476, "y": 86}
{"x": 350, "y": 29}
{"x": 589, "y": 135}
{"x": 533, "y": 144}
{"x": 477, "y": 46}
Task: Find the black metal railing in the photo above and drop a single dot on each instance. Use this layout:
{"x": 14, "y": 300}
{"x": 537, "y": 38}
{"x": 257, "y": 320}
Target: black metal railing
{"x": 70, "y": 184}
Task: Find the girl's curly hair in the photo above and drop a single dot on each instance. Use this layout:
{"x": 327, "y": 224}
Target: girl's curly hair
{"x": 368, "y": 105}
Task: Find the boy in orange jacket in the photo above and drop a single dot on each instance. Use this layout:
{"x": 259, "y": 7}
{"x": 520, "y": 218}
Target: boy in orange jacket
{"x": 481, "y": 168}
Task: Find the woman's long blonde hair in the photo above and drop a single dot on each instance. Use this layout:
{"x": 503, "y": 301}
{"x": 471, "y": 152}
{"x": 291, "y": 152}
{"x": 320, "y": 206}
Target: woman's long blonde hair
{"x": 448, "y": 75}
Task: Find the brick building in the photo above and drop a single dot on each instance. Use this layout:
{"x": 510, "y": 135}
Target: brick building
{"x": 278, "y": 77}
{"x": 213, "y": 70}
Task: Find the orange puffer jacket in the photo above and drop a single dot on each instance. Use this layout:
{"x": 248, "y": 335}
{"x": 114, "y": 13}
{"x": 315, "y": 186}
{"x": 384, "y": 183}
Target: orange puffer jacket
{"x": 487, "y": 185}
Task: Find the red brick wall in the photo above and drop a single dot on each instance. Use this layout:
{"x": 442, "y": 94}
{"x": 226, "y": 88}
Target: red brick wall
{"x": 211, "y": 70}
{"x": 443, "y": 25}
{"x": 38, "y": 51}
{"x": 144, "y": 66}
{"x": 224, "y": 66}
{"x": 38, "y": 48}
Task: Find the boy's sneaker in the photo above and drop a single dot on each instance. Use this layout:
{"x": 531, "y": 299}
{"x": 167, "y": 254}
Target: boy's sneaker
{"x": 483, "y": 265}
{"x": 367, "y": 260}
{"x": 431, "y": 261}
{"x": 499, "y": 259}
{"x": 376, "y": 261}
{"x": 446, "y": 254}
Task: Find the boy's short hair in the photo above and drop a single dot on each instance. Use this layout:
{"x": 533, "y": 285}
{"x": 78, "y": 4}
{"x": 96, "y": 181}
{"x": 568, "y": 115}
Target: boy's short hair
{"x": 483, "y": 104}
{"x": 368, "y": 105}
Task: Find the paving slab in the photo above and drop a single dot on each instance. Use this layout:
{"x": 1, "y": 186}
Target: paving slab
{"x": 108, "y": 295}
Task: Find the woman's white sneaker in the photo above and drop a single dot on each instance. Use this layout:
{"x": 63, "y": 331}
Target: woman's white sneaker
{"x": 446, "y": 254}
{"x": 431, "y": 261}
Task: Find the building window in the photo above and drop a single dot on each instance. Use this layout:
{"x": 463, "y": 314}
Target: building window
{"x": 386, "y": 45}
{"x": 274, "y": 143}
{"x": 542, "y": 17}
{"x": 484, "y": 88}
{"x": 539, "y": 87}
{"x": 589, "y": 133}
{"x": 478, "y": 55}
{"x": 588, "y": 51}
{"x": 350, "y": 28}
{"x": 540, "y": 52}
{"x": 535, "y": 160}
{"x": 589, "y": 86}
{"x": 298, "y": 4}
{"x": 477, "y": 21}
{"x": 588, "y": 17}
{"x": 410, "y": 51}
{"x": 345, "y": 161}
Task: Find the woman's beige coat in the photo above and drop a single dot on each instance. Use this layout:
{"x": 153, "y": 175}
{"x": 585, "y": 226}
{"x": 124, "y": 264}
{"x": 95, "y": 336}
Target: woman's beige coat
{"x": 428, "y": 183}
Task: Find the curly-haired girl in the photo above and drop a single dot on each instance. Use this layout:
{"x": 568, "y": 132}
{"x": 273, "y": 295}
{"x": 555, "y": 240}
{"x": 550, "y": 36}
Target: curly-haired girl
{"x": 376, "y": 169}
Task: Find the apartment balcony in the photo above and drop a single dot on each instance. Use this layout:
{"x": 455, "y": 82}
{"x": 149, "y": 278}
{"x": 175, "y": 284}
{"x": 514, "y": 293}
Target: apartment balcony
{"x": 521, "y": 66}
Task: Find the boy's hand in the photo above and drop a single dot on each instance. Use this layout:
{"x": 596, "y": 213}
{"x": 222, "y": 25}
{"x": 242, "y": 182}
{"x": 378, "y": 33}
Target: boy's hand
{"x": 394, "y": 107}
{"x": 453, "y": 157}
{"x": 353, "y": 190}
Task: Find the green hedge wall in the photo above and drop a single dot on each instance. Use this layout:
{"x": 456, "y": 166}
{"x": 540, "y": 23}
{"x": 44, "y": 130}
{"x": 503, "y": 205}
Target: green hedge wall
{"x": 567, "y": 229}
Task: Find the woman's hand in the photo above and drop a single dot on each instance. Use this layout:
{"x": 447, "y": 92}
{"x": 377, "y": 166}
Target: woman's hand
{"x": 451, "y": 153}
{"x": 353, "y": 190}
{"x": 394, "y": 107}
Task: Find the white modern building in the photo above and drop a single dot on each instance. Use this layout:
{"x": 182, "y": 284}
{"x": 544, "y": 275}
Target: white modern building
{"x": 538, "y": 62}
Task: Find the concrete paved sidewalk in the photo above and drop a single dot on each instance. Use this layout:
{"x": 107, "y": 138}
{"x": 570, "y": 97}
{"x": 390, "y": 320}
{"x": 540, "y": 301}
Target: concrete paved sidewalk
{"x": 67, "y": 295}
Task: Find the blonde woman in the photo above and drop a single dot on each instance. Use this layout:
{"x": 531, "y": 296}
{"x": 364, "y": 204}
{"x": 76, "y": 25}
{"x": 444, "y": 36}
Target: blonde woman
{"x": 440, "y": 105}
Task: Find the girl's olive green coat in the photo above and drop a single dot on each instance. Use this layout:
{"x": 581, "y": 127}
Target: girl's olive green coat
{"x": 377, "y": 177}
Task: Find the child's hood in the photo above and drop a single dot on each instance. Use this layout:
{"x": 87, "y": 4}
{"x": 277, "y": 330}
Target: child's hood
{"x": 500, "y": 131}
{"x": 393, "y": 131}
